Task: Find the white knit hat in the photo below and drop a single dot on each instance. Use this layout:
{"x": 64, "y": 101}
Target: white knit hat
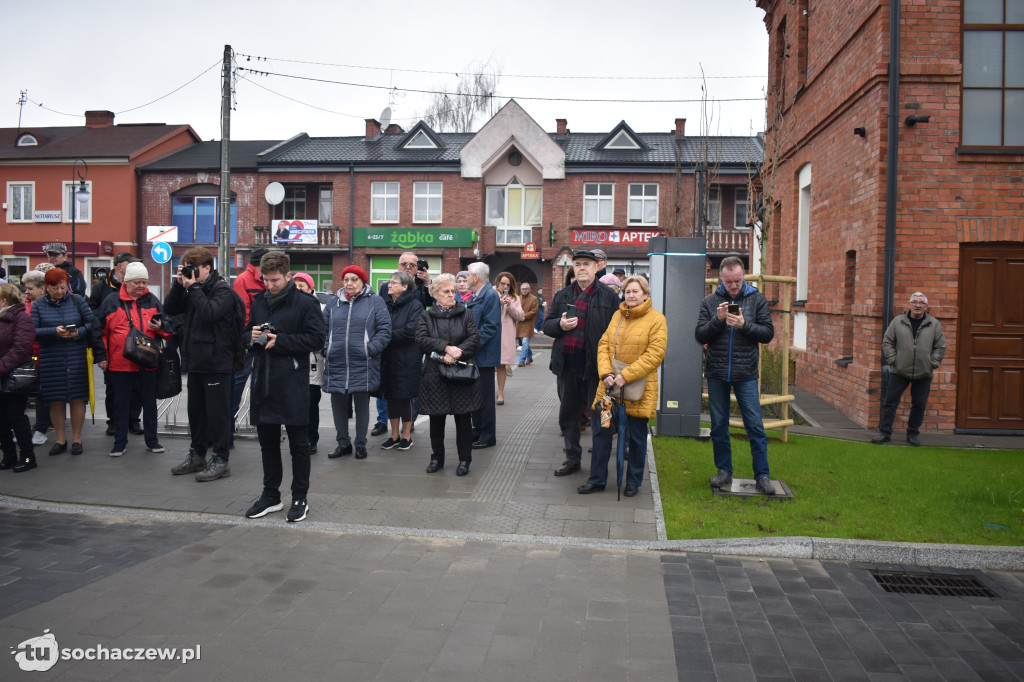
{"x": 135, "y": 271}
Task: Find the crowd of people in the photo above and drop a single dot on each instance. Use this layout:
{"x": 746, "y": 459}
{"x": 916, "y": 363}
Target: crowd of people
{"x": 440, "y": 347}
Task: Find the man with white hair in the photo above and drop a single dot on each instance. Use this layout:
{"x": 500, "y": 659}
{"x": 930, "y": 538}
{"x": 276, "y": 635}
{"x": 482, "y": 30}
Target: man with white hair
{"x": 486, "y": 308}
{"x": 913, "y": 346}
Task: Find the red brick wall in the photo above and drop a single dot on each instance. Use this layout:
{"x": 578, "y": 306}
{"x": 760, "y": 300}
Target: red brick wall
{"x": 941, "y": 191}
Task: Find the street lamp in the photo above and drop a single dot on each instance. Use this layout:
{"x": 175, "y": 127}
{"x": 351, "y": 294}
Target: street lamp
{"x": 80, "y": 192}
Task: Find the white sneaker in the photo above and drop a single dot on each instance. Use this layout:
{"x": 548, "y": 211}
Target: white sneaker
{"x": 116, "y": 453}
{"x": 38, "y": 438}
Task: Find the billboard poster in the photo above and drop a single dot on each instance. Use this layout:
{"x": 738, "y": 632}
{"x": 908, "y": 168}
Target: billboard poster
{"x": 297, "y": 232}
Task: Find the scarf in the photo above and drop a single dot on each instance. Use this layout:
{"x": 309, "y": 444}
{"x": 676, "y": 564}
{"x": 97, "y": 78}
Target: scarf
{"x": 274, "y": 300}
{"x": 465, "y": 296}
{"x": 575, "y": 338}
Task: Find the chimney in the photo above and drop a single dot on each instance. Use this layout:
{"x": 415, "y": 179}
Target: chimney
{"x": 680, "y": 127}
{"x": 372, "y": 128}
{"x": 394, "y": 128}
{"x": 99, "y": 119}
{"x": 562, "y": 130}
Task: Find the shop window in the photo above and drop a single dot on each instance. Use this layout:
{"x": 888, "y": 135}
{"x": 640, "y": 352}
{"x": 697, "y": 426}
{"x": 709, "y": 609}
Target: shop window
{"x": 197, "y": 219}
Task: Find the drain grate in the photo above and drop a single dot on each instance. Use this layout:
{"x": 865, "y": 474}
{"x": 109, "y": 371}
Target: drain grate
{"x": 932, "y": 583}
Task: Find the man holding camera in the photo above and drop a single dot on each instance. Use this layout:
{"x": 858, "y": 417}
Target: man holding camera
{"x": 286, "y": 326}
{"x": 207, "y": 355}
{"x": 732, "y": 323}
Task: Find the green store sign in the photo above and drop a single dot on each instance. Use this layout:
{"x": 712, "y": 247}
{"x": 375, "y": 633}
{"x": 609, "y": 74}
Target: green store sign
{"x": 410, "y": 238}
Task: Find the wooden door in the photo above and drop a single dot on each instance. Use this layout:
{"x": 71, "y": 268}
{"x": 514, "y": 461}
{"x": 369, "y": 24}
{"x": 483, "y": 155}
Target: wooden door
{"x": 990, "y": 337}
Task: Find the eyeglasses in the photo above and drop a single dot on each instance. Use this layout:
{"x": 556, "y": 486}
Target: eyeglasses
{"x": 918, "y": 303}
{"x": 407, "y": 265}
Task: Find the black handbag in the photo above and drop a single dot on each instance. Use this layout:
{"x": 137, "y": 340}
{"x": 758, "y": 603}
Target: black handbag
{"x": 23, "y": 379}
{"x": 168, "y": 372}
{"x": 139, "y": 348}
{"x": 459, "y": 372}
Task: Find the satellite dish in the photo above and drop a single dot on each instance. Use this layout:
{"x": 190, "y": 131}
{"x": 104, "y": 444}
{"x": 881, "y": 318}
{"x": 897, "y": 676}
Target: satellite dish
{"x": 274, "y": 193}
{"x": 385, "y": 119}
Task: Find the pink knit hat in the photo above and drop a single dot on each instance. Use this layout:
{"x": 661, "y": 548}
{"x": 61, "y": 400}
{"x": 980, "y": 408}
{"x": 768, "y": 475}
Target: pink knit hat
{"x": 305, "y": 278}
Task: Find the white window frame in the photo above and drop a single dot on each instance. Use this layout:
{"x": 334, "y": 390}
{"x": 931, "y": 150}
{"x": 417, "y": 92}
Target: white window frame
{"x": 420, "y": 141}
{"x": 714, "y": 207}
{"x": 294, "y": 198}
{"x": 599, "y": 199}
{"x": 389, "y": 191}
{"x": 491, "y": 203}
{"x": 642, "y": 199}
{"x": 424, "y": 194}
{"x": 622, "y": 141}
{"x": 326, "y": 202}
{"x": 28, "y": 140}
{"x": 514, "y": 235}
{"x": 742, "y": 199}
{"x": 11, "y": 186}
{"x": 67, "y": 197}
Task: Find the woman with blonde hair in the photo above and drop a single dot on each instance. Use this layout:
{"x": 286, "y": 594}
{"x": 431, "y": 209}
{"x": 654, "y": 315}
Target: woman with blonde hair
{"x": 17, "y": 334}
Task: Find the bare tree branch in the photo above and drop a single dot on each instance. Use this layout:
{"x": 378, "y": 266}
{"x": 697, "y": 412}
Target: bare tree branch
{"x": 455, "y": 109}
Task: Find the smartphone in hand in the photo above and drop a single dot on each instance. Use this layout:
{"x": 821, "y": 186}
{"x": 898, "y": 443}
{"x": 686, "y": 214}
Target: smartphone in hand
{"x": 570, "y": 312}
{"x": 734, "y": 309}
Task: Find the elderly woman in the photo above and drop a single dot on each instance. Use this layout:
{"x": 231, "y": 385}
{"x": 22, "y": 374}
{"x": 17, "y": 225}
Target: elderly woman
{"x": 35, "y": 287}
{"x": 511, "y": 313}
{"x": 447, "y": 333}
{"x": 358, "y": 331}
{"x": 17, "y": 335}
{"x": 63, "y": 323}
{"x": 462, "y": 289}
{"x": 133, "y": 307}
{"x": 637, "y": 335}
{"x": 403, "y": 360}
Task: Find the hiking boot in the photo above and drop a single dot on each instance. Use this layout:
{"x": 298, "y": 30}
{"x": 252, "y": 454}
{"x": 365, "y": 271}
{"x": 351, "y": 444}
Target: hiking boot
{"x": 192, "y": 463}
{"x": 722, "y": 480}
{"x": 297, "y": 511}
{"x": 263, "y": 506}
{"x": 880, "y": 438}
{"x": 764, "y": 486}
{"x": 378, "y": 429}
{"x": 912, "y": 439}
{"x": 216, "y": 468}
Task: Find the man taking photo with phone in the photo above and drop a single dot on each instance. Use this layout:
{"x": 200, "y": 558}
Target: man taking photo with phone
{"x": 732, "y": 323}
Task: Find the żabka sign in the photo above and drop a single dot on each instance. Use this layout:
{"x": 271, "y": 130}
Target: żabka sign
{"x": 613, "y": 237}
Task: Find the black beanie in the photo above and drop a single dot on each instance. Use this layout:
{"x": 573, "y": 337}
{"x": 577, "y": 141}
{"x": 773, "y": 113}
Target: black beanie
{"x": 256, "y": 255}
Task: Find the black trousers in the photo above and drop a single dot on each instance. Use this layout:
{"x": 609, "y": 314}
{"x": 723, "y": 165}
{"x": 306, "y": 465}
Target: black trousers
{"x": 919, "y": 390}
{"x": 313, "y": 430}
{"x": 13, "y": 419}
{"x": 209, "y": 412}
{"x": 463, "y": 436}
{"x": 123, "y": 384}
{"x": 273, "y": 471}
{"x": 135, "y": 406}
{"x": 484, "y": 419}
{"x": 576, "y": 393}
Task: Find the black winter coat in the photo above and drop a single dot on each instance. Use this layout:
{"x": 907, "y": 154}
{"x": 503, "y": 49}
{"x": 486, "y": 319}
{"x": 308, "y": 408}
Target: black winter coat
{"x": 17, "y": 334}
{"x": 437, "y": 329}
{"x": 603, "y": 304}
{"x": 402, "y": 361}
{"x": 733, "y": 352}
{"x": 208, "y": 328}
{"x": 280, "y": 376}
{"x": 63, "y": 374}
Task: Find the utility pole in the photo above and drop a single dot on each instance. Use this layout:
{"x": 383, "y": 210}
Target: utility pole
{"x": 223, "y": 243}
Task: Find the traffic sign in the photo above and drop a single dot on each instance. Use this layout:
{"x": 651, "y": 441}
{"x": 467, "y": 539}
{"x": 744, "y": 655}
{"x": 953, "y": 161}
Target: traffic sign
{"x": 161, "y": 252}
{"x": 161, "y": 233}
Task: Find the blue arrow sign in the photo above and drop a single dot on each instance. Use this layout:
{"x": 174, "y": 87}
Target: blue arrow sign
{"x": 161, "y": 252}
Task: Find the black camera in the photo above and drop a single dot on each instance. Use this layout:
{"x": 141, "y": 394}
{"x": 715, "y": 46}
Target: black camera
{"x": 262, "y": 340}
{"x": 422, "y": 265}
{"x": 190, "y": 271}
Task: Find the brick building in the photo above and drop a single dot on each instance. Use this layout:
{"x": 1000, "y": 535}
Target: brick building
{"x": 36, "y": 175}
{"x": 921, "y": 164}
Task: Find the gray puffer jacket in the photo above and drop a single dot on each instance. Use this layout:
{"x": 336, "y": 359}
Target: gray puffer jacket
{"x": 914, "y": 357}
{"x": 733, "y": 352}
{"x": 358, "y": 331}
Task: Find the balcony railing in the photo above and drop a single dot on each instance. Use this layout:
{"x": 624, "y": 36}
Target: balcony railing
{"x": 728, "y": 241}
{"x": 326, "y": 236}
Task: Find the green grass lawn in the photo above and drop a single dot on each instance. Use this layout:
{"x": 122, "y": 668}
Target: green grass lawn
{"x": 848, "y": 490}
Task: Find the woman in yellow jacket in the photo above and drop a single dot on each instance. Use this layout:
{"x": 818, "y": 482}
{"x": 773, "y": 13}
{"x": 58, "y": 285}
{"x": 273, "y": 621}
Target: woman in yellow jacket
{"x": 637, "y": 335}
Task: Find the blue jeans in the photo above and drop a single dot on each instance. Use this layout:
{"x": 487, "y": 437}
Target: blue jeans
{"x": 636, "y": 451}
{"x": 750, "y": 407}
{"x": 526, "y": 353}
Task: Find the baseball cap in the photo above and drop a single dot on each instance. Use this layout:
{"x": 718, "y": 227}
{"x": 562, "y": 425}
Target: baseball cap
{"x": 125, "y": 257}
{"x": 599, "y": 254}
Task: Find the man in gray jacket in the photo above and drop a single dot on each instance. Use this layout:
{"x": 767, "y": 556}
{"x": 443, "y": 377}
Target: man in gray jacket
{"x": 913, "y": 346}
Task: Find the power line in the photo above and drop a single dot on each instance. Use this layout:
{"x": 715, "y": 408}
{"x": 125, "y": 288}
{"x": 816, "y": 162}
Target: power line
{"x": 516, "y": 97}
{"x": 463, "y": 73}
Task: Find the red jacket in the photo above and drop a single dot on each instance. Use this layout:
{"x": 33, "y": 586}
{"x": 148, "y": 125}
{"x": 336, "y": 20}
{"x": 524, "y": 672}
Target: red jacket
{"x": 248, "y": 285}
{"x": 114, "y": 322}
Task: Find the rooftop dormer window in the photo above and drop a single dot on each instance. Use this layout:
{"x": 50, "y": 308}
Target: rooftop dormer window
{"x": 28, "y": 140}
{"x": 622, "y": 141}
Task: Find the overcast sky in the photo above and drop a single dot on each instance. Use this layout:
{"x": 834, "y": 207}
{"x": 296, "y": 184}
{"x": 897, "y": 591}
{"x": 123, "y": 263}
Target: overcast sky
{"x": 118, "y": 55}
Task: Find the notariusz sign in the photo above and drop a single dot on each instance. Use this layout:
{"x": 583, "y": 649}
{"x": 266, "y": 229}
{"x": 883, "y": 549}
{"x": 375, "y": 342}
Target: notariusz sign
{"x": 412, "y": 237}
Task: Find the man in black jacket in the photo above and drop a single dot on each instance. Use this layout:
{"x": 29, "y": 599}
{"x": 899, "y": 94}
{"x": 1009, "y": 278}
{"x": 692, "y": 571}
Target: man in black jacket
{"x": 280, "y": 381}
{"x": 207, "y": 356}
{"x": 104, "y": 287}
{"x": 733, "y": 341}
{"x": 574, "y": 351}
{"x": 57, "y": 254}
